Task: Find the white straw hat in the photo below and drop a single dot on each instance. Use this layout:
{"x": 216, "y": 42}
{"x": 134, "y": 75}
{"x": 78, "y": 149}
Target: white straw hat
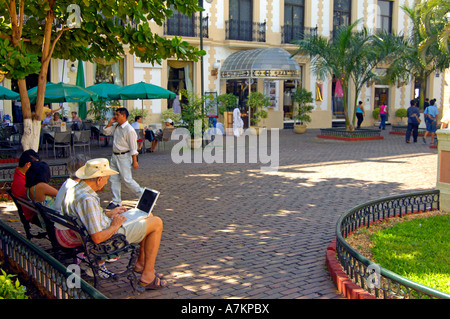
{"x": 96, "y": 167}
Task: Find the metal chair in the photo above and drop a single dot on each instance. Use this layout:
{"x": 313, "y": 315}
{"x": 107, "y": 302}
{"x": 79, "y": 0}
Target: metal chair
{"x": 82, "y": 139}
{"x": 62, "y": 140}
{"x": 167, "y": 133}
{"x": 140, "y": 139}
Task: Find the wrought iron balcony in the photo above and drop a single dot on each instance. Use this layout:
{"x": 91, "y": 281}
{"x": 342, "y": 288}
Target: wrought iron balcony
{"x": 290, "y": 33}
{"x": 245, "y": 30}
{"x": 185, "y": 26}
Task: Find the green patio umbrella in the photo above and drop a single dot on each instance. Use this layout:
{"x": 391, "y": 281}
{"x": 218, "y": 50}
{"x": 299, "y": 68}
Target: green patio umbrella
{"x": 103, "y": 89}
{"x": 82, "y": 112}
{"x": 63, "y": 92}
{"x": 7, "y": 94}
{"x": 143, "y": 91}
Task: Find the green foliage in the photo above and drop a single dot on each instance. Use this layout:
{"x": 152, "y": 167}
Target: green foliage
{"x": 376, "y": 113}
{"x": 227, "y": 102}
{"x": 418, "y": 250}
{"x": 10, "y": 289}
{"x": 192, "y": 113}
{"x": 16, "y": 61}
{"x": 170, "y": 114}
{"x": 303, "y": 107}
{"x": 257, "y": 102}
{"x": 135, "y": 112}
{"x": 99, "y": 110}
{"x": 401, "y": 112}
{"x": 126, "y": 23}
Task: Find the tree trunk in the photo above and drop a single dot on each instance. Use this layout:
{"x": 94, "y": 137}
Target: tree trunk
{"x": 32, "y": 123}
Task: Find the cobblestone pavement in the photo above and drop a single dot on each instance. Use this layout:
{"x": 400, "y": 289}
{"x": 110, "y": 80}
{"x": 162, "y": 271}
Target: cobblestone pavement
{"x": 232, "y": 231}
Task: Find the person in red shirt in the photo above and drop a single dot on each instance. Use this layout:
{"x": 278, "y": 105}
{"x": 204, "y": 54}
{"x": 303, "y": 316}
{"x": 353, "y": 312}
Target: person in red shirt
{"x": 18, "y": 184}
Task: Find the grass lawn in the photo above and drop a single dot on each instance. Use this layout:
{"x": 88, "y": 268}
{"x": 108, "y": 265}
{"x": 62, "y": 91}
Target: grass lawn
{"x": 418, "y": 249}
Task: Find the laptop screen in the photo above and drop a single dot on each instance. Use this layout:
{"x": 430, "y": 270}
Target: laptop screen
{"x": 147, "y": 200}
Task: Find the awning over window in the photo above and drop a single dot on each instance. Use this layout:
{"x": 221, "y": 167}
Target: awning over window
{"x": 270, "y": 63}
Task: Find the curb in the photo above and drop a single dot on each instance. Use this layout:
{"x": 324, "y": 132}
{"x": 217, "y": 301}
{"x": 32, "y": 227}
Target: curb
{"x": 344, "y": 285}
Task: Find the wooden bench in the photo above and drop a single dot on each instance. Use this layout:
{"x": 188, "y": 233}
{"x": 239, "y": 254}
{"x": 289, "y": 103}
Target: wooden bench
{"x": 114, "y": 247}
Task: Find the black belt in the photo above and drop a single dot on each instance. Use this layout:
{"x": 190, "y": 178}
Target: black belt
{"x": 120, "y": 153}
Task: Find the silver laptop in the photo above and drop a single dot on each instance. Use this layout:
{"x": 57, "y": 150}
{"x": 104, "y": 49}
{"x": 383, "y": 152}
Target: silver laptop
{"x": 143, "y": 207}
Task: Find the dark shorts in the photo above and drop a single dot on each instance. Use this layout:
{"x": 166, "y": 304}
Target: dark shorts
{"x": 431, "y": 126}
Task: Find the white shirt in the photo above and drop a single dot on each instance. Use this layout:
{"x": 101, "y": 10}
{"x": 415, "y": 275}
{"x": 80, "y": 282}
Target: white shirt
{"x": 125, "y": 138}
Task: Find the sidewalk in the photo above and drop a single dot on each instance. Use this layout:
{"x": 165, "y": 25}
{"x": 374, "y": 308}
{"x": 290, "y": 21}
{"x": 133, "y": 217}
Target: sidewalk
{"x": 231, "y": 231}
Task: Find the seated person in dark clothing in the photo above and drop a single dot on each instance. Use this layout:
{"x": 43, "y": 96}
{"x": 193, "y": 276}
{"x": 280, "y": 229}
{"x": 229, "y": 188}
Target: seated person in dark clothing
{"x": 154, "y": 137}
{"x": 18, "y": 184}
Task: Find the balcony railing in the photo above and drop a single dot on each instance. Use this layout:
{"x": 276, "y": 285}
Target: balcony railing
{"x": 186, "y": 26}
{"x": 290, "y": 33}
{"x": 245, "y": 30}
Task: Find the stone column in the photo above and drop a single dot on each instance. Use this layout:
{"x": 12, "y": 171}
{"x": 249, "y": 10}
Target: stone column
{"x": 443, "y": 169}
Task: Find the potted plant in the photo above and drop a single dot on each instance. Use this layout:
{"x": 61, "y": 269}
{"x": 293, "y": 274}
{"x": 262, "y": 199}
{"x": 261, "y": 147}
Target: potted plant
{"x": 226, "y": 103}
{"x": 401, "y": 113}
{"x": 194, "y": 119}
{"x": 256, "y": 103}
{"x": 170, "y": 114}
{"x": 302, "y": 108}
{"x": 376, "y": 116}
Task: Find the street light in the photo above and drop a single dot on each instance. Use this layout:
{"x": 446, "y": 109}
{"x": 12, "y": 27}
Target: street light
{"x": 200, "y": 3}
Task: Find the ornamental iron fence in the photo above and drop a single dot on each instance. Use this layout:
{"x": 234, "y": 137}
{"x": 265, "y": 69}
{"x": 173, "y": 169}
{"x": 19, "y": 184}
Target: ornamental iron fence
{"x": 46, "y": 272}
{"x": 376, "y": 280}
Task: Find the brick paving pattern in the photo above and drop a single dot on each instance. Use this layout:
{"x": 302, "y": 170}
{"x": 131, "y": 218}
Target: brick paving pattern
{"x": 232, "y": 231}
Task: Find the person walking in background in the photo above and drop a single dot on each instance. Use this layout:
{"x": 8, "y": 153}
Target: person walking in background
{"x": 413, "y": 114}
{"x": 124, "y": 156}
{"x": 383, "y": 116}
{"x": 360, "y": 113}
{"x": 430, "y": 113}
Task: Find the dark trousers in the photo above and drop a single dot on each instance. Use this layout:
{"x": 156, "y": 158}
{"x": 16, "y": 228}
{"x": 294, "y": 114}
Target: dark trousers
{"x": 360, "y": 119}
{"x": 415, "y": 131}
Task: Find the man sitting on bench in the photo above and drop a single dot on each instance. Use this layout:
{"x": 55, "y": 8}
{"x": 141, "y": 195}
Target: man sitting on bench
{"x": 82, "y": 201}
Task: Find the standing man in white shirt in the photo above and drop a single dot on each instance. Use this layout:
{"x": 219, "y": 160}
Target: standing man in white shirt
{"x": 124, "y": 156}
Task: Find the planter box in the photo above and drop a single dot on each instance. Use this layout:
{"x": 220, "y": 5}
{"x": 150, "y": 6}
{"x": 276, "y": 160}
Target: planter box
{"x": 344, "y": 135}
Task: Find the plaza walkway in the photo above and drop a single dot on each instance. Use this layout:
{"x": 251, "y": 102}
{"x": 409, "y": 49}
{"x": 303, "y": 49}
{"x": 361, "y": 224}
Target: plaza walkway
{"x": 232, "y": 231}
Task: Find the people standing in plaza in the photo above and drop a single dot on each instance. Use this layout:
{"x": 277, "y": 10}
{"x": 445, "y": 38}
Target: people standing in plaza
{"x": 383, "y": 116}
{"x": 413, "y": 115}
{"x": 430, "y": 114}
{"x": 360, "y": 113}
{"x": 124, "y": 156}
{"x": 83, "y": 202}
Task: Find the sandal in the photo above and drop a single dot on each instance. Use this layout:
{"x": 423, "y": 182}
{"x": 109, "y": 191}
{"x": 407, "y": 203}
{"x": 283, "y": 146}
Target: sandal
{"x": 160, "y": 276}
{"x": 154, "y": 285}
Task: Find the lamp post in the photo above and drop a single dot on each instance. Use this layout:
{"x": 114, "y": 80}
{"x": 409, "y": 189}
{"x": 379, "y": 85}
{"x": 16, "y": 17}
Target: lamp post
{"x": 200, "y": 3}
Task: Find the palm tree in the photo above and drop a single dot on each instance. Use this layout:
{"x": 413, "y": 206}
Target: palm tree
{"x": 434, "y": 24}
{"x": 428, "y": 41}
{"x": 352, "y": 57}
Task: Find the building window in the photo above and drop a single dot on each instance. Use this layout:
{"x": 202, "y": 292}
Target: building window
{"x": 180, "y": 24}
{"x": 384, "y": 18}
{"x": 110, "y": 72}
{"x": 341, "y": 13}
{"x": 294, "y": 20}
{"x": 180, "y": 77}
{"x": 240, "y": 24}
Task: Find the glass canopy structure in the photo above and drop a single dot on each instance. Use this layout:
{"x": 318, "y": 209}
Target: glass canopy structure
{"x": 270, "y": 63}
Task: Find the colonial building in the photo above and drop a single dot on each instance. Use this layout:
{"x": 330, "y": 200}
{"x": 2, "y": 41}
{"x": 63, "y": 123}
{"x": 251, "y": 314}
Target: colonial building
{"x": 248, "y": 45}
